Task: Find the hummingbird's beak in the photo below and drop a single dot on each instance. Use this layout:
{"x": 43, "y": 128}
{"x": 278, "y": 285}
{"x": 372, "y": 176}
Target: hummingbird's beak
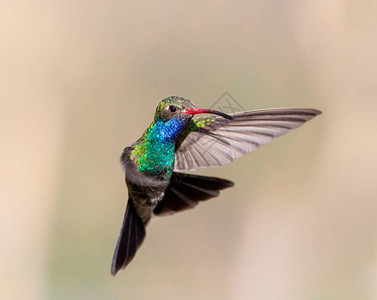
{"x": 195, "y": 110}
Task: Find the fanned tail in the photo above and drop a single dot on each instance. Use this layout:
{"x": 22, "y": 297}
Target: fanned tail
{"x": 186, "y": 190}
{"x": 183, "y": 192}
{"x": 130, "y": 238}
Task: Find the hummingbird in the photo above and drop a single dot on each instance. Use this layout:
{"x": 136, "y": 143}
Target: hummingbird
{"x": 176, "y": 142}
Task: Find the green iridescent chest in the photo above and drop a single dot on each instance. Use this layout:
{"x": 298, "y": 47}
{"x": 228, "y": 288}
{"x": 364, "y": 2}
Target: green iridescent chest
{"x": 154, "y": 151}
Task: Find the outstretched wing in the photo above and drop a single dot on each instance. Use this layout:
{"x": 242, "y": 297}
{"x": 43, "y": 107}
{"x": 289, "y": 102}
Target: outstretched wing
{"x": 185, "y": 191}
{"x": 214, "y": 141}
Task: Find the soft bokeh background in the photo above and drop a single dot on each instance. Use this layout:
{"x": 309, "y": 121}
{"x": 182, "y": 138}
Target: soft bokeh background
{"x": 79, "y": 81}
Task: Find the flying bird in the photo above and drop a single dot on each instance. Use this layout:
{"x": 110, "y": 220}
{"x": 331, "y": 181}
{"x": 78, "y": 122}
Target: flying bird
{"x": 175, "y": 142}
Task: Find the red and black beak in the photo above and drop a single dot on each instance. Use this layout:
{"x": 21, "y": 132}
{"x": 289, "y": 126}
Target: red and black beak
{"x": 195, "y": 110}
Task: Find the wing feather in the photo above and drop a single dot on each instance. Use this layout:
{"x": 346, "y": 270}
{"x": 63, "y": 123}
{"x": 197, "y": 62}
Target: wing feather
{"x": 222, "y": 140}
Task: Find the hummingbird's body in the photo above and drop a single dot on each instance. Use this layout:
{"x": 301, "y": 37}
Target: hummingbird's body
{"x": 153, "y": 153}
{"x": 176, "y": 142}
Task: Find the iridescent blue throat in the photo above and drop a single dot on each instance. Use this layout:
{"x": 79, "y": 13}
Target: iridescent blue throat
{"x": 155, "y": 151}
{"x": 166, "y": 132}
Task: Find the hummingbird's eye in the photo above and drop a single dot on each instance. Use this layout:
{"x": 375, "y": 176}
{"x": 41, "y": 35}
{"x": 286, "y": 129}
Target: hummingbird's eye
{"x": 172, "y": 108}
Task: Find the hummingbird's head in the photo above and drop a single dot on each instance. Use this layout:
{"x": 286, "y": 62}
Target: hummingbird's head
{"x": 175, "y": 107}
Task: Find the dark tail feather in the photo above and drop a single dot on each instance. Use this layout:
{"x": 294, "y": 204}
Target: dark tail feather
{"x": 130, "y": 238}
{"x": 185, "y": 191}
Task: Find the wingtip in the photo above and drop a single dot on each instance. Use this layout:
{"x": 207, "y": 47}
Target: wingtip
{"x": 227, "y": 183}
{"x": 316, "y": 111}
{"x": 312, "y": 111}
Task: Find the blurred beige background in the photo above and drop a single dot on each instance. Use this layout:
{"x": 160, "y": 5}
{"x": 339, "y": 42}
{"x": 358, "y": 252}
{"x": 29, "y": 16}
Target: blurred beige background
{"x": 79, "y": 81}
